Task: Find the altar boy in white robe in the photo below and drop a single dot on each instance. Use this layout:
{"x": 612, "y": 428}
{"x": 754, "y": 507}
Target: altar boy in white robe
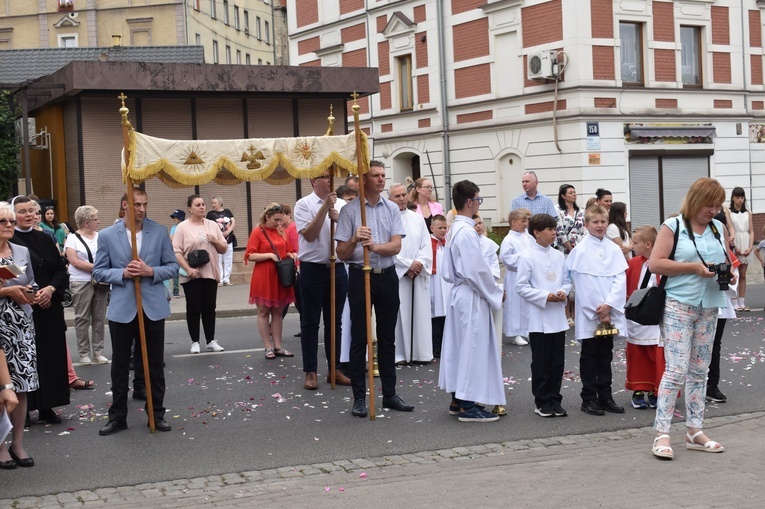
{"x": 439, "y": 289}
{"x": 470, "y": 363}
{"x": 598, "y": 272}
{"x": 515, "y": 316}
{"x": 414, "y": 341}
{"x": 543, "y": 281}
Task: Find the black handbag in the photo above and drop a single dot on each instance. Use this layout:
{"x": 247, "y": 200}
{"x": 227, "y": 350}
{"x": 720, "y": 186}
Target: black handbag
{"x": 285, "y": 267}
{"x": 646, "y": 305}
{"x": 198, "y": 257}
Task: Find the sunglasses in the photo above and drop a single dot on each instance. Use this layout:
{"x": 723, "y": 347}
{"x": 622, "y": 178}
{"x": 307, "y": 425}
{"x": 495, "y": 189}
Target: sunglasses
{"x": 275, "y": 210}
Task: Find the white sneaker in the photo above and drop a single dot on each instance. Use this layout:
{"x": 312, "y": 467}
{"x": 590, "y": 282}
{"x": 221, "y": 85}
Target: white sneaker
{"x": 100, "y": 359}
{"x": 195, "y": 347}
{"x": 520, "y": 341}
{"x": 212, "y": 346}
{"x": 85, "y": 360}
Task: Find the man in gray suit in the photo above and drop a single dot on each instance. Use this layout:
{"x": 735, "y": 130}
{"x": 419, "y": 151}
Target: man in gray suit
{"x": 114, "y": 264}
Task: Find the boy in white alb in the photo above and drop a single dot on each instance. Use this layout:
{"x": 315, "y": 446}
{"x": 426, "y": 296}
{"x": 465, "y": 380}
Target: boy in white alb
{"x": 597, "y": 268}
{"x": 471, "y": 369}
{"x": 439, "y": 289}
{"x": 543, "y": 281}
{"x": 515, "y": 314}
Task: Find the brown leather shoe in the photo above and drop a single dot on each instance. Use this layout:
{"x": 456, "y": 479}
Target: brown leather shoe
{"x": 340, "y": 378}
{"x": 311, "y": 383}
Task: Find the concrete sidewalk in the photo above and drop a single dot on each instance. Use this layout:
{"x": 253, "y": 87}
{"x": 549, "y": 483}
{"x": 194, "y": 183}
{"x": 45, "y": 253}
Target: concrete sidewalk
{"x": 614, "y": 469}
{"x": 233, "y": 301}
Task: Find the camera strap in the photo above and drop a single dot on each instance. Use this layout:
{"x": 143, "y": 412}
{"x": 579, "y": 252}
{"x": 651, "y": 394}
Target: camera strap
{"x": 716, "y": 234}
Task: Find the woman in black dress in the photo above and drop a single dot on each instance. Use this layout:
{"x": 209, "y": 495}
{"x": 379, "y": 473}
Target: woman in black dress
{"x": 50, "y": 327}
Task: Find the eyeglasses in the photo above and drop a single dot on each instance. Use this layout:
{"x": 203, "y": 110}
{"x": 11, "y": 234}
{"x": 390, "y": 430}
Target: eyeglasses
{"x": 426, "y": 187}
{"x": 5, "y": 222}
{"x": 24, "y": 212}
{"x": 478, "y": 200}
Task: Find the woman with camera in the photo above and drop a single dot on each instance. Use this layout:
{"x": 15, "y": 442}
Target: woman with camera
{"x": 266, "y": 246}
{"x": 17, "y": 339}
{"x": 197, "y": 243}
{"x": 697, "y": 272}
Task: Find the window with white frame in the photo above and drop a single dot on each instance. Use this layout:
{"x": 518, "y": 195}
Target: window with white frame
{"x": 215, "y": 52}
{"x": 225, "y": 12}
{"x": 268, "y": 33}
{"x": 198, "y": 39}
{"x": 236, "y": 17}
{"x": 228, "y": 54}
{"x": 238, "y": 57}
{"x": 631, "y": 52}
{"x": 247, "y": 59}
{"x": 67, "y": 41}
{"x": 212, "y": 9}
{"x": 690, "y": 56}
{"x": 257, "y": 27}
{"x": 246, "y": 22}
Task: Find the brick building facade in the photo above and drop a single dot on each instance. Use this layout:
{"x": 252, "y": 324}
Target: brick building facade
{"x": 639, "y": 97}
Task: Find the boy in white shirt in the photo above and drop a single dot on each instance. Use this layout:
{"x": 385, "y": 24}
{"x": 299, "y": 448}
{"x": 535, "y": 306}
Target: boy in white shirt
{"x": 597, "y": 268}
{"x": 515, "y": 314}
{"x": 543, "y": 282}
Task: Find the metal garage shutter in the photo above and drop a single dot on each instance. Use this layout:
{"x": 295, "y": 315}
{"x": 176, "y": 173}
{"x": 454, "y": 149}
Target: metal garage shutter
{"x": 644, "y": 192}
{"x": 678, "y": 173}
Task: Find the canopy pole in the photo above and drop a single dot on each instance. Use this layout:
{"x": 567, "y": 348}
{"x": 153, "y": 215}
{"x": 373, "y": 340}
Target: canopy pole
{"x": 130, "y": 216}
{"x": 367, "y": 269}
{"x": 332, "y": 259}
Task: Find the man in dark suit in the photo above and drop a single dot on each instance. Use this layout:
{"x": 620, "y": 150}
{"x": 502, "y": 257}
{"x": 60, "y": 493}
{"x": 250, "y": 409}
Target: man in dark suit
{"x": 115, "y": 265}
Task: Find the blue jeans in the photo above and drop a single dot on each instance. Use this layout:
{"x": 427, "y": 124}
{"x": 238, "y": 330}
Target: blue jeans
{"x": 314, "y": 288}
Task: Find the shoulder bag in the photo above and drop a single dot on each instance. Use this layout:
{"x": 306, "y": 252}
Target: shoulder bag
{"x": 95, "y": 283}
{"x": 646, "y": 305}
{"x": 285, "y": 267}
{"x": 198, "y": 257}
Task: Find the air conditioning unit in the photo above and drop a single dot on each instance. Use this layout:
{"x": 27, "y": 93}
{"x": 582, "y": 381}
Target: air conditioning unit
{"x": 542, "y": 65}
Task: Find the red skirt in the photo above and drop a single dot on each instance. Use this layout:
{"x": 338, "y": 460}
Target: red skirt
{"x": 265, "y": 289}
{"x": 645, "y": 367}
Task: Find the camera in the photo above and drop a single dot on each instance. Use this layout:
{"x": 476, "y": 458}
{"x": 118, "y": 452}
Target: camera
{"x": 724, "y": 274}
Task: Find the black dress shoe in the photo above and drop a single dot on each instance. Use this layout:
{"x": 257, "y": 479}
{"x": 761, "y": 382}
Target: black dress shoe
{"x": 161, "y": 425}
{"x": 396, "y": 403}
{"x": 592, "y": 407}
{"x": 139, "y": 394}
{"x": 22, "y": 462}
{"x": 112, "y": 427}
{"x": 609, "y": 405}
{"x": 49, "y": 416}
{"x": 359, "y": 408}
{"x": 8, "y": 465}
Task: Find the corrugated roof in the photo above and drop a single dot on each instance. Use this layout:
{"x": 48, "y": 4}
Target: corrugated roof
{"x": 19, "y": 65}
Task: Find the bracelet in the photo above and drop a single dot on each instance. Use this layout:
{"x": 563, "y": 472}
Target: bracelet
{"x": 8, "y": 387}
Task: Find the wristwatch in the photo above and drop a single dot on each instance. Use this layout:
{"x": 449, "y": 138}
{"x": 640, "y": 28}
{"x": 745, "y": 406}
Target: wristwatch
{"x": 6, "y": 386}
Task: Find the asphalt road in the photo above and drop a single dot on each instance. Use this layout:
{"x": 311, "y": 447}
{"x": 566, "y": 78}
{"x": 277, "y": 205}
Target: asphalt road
{"x": 235, "y": 411}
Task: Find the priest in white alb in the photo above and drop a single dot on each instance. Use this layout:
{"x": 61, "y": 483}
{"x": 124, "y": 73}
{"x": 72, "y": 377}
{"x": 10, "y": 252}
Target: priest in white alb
{"x": 414, "y": 337}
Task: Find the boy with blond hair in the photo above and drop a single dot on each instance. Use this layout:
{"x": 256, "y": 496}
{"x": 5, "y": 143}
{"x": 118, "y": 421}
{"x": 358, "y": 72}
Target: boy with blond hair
{"x": 515, "y": 314}
{"x": 645, "y": 356}
{"x": 597, "y": 268}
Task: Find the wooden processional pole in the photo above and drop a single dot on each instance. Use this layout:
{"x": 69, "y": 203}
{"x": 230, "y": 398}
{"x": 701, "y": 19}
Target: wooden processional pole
{"x": 130, "y": 217}
{"x": 367, "y": 269}
{"x": 332, "y": 259}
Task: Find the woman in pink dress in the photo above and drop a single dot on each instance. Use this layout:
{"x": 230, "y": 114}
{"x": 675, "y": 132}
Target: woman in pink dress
{"x": 420, "y": 195}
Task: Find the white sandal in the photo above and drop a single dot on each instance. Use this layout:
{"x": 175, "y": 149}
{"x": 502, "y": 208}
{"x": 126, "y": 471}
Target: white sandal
{"x": 662, "y": 451}
{"x": 709, "y": 446}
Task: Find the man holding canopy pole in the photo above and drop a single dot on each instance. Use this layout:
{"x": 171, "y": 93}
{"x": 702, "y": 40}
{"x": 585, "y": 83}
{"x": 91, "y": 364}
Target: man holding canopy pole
{"x": 114, "y": 264}
{"x": 313, "y": 215}
{"x": 382, "y": 237}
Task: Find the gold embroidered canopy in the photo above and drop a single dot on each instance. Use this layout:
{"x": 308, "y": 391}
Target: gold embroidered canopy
{"x": 185, "y": 163}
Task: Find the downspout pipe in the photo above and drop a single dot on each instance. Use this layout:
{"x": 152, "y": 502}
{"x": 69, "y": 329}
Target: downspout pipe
{"x": 444, "y": 104}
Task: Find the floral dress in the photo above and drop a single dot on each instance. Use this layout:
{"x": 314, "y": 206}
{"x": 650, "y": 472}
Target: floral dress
{"x": 570, "y": 229}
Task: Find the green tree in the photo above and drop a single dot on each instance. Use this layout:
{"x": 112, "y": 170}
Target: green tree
{"x": 9, "y": 144}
